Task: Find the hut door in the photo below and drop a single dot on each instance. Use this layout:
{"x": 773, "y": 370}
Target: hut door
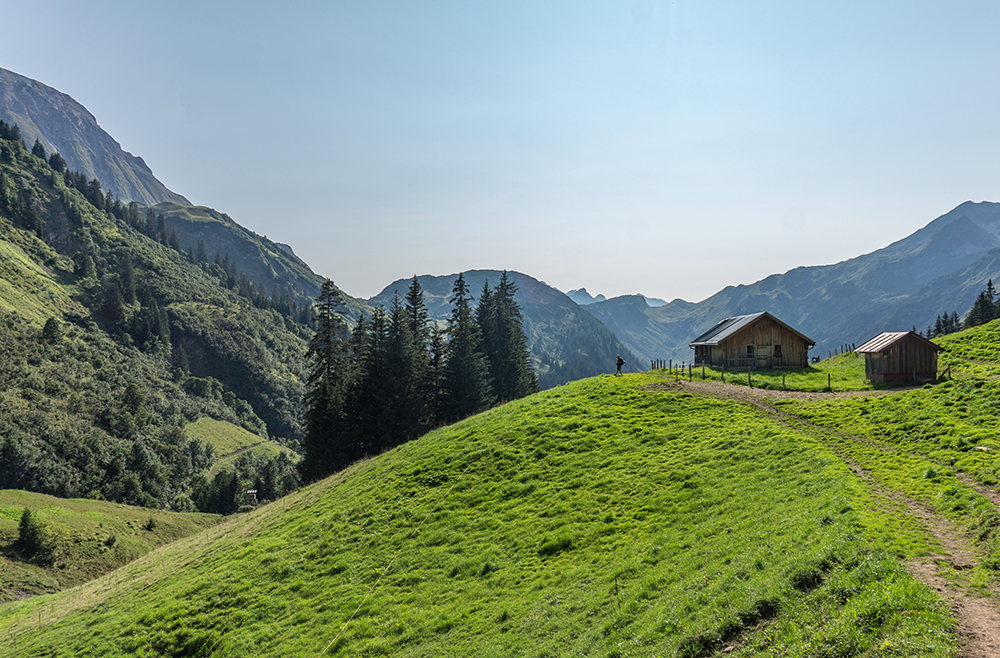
{"x": 777, "y": 356}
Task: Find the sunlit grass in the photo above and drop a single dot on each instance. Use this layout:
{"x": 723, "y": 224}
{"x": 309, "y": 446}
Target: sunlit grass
{"x": 599, "y": 518}
{"x": 844, "y": 372}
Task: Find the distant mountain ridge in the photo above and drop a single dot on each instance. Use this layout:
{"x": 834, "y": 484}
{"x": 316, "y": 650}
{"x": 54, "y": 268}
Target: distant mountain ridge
{"x": 567, "y": 342}
{"x": 939, "y": 268}
{"x": 64, "y": 125}
{"x": 582, "y": 297}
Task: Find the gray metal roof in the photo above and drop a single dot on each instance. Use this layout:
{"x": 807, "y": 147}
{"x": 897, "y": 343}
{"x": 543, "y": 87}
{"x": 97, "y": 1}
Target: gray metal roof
{"x": 887, "y": 339}
{"x": 720, "y": 332}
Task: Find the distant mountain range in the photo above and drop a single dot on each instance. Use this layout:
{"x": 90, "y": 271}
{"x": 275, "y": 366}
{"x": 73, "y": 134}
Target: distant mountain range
{"x": 583, "y": 298}
{"x": 938, "y": 269}
{"x": 63, "y": 125}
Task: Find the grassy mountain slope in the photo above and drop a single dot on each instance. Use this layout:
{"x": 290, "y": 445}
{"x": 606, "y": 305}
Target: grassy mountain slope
{"x": 87, "y": 538}
{"x": 608, "y": 517}
{"x": 66, "y": 427}
{"x": 566, "y": 341}
{"x": 890, "y": 289}
{"x": 62, "y": 125}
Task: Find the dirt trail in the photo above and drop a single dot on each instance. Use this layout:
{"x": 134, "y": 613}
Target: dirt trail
{"x": 978, "y": 615}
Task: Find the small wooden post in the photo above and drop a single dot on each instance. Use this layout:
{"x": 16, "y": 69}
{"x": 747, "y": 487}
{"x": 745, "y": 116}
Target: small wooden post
{"x": 749, "y": 380}
{"x": 689, "y": 372}
{"x": 828, "y": 384}
{"x": 703, "y": 370}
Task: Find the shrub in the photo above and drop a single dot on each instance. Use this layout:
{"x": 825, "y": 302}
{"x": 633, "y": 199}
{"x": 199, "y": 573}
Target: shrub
{"x": 35, "y": 540}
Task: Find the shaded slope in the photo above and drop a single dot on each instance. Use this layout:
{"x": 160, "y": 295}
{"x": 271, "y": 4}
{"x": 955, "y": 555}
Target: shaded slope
{"x": 596, "y": 519}
{"x": 566, "y": 341}
{"x": 61, "y": 124}
{"x": 273, "y": 265}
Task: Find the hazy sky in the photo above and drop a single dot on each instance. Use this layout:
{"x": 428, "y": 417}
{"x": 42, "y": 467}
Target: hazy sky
{"x": 668, "y": 148}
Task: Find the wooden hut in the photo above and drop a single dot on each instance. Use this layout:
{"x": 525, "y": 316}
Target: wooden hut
{"x": 759, "y": 340}
{"x": 899, "y": 356}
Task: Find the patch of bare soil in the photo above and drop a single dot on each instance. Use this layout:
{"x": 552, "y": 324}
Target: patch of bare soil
{"x": 978, "y": 615}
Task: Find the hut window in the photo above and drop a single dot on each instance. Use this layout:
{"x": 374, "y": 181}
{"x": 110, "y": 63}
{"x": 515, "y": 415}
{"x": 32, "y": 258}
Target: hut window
{"x": 777, "y": 351}
{"x": 750, "y": 350}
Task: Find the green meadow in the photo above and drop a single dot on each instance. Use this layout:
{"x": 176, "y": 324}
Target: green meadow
{"x": 844, "y": 372}
{"x": 608, "y": 517}
{"x": 229, "y": 442}
{"x": 87, "y": 538}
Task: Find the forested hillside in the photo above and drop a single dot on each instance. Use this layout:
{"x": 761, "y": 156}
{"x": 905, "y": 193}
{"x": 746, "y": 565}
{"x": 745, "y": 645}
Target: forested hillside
{"x": 253, "y": 264}
{"x": 113, "y": 340}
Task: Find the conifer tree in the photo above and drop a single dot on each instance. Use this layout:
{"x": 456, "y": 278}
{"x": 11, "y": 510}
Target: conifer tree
{"x": 128, "y": 280}
{"x": 366, "y": 404}
{"x": 466, "y": 371}
{"x": 326, "y": 384}
{"x": 506, "y": 345}
{"x": 434, "y": 381}
{"x": 113, "y": 303}
{"x": 402, "y": 377}
{"x": 52, "y": 331}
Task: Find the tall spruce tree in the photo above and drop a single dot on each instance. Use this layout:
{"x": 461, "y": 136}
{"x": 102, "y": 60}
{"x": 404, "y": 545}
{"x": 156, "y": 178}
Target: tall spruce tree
{"x": 402, "y": 377}
{"x": 326, "y": 446}
{"x": 420, "y": 334}
{"x": 369, "y": 395}
{"x": 500, "y": 319}
{"x": 434, "y": 386}
{"x": 466, "y": 371}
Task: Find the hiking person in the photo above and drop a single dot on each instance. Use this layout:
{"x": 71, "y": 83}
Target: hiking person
{"x": 619, "y": 362}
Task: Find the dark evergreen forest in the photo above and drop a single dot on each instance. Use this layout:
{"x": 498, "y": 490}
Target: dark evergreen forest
{"x": 398, "y": 375}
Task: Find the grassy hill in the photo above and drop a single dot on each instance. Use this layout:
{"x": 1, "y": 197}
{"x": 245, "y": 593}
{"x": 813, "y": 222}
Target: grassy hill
{"x": 612, "y": 517}
{"x": 87, "y": 538}
{"x": 229, "y": 442}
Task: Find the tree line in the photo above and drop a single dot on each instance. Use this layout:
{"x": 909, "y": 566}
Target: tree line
{"x": 985, "y": 308}
{"x": 398, "y": 375}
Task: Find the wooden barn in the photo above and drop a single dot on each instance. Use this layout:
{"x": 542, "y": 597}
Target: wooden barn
{"x": 759, "y": 340}
{"x": 899, "y": 356}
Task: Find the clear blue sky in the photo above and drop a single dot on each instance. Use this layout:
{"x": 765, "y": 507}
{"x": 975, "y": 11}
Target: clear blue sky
{"x": 668, "y": 148}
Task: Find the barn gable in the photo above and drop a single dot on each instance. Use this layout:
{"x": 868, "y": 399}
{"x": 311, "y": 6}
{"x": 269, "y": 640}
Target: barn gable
{"x": 758, "y": 340}
{"x": 899, "y": 356}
